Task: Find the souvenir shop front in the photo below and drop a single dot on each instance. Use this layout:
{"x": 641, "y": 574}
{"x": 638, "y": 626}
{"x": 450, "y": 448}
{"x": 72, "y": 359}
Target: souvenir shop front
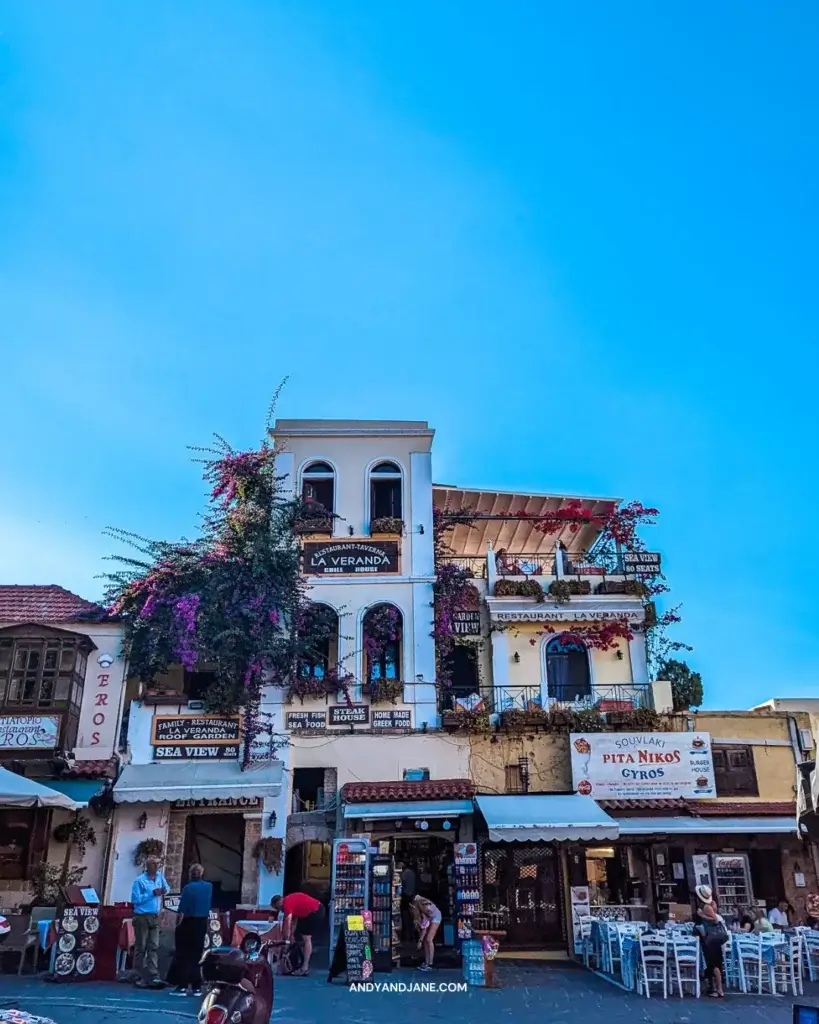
{"x": 420, "y": 838}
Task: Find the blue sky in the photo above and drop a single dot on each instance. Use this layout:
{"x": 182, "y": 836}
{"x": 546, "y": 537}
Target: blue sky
{"x": 581, "y": 243}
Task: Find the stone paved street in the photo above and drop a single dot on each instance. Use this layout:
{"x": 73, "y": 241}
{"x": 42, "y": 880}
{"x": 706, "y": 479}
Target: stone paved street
{"x": 530, "y": 993}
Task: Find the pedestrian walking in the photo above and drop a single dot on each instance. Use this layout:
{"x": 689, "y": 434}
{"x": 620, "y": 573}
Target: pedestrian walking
{"x": 146, "y": 897}
{"x": 191, "y": 929}
{"x": 713, "y": 935}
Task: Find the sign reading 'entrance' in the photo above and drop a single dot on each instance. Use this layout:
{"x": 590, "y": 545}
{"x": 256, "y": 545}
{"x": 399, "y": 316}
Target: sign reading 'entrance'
{"x": 245, "y": 803}
{"x": 349, "y": 714}
{"x": 210, "y": 730}
{"x": 342, "y": 559}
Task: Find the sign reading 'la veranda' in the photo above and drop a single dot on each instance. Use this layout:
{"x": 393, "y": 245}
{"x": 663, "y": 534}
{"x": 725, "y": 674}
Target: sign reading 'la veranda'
{"x": 340, "y": 558}
{"x": 639, "y": 766}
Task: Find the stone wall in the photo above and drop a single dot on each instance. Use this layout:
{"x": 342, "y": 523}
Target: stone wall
{"x": 175, "y": 849}
{"x": 250, "y": 864}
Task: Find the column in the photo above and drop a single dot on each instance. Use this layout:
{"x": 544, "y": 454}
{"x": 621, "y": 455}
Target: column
{"x": 423, "y": 690}
{"x": 420, "y": 516}
{"x": 500, "y": 666}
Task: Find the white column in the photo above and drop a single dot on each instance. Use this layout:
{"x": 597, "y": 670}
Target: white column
{"x": 286, "y": 469}
{"x": 500, "y": 664}
{"x": 271, "y": 885}
{"x": 491, "y": 570}
{"x": 419, "y": 515}
{"x": 638, "y": 659}
{"x": 423, "y": 673}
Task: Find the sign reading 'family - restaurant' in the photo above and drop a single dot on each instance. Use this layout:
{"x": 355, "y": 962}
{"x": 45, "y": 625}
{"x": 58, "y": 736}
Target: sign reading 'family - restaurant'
{"x": 198, "y": 730}
{"x": 628, "y": 766}
{"x": 350, "y": 559}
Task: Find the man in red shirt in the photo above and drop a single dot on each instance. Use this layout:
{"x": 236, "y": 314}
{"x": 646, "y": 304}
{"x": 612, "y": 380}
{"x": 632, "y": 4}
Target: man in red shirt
{"x": 302, "y": 910}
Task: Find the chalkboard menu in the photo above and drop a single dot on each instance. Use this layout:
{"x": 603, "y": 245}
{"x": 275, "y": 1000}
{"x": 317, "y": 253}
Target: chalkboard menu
{"x": 401, "y": 719}
{"x": 349, "y": 714}
{"x": 352, "y": 955}
{"x": 76, "y": 929}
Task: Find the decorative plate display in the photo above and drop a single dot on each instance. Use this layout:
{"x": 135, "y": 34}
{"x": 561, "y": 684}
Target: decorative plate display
{"x": 64, "y": 964}
{"x": 86, "y": 942}
{"x": 85, "y": 963}
{"x": 91, "y": 924}
{"x": 217, "y": 939}
{"x": 67, "y": 942}
{"x": 214, "y": 925}
{"x": 70, "y": 923}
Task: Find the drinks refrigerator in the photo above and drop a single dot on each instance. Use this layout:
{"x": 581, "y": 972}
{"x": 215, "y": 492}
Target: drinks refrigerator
{"x": 350, "y": 882}
{"x": 385, "y": 905}
{"x": 731, "y": 880}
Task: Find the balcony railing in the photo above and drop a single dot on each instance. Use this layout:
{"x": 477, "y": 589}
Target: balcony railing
{"x": 475, "y": 565}
{"x": 447, "y": 696}
{"x": 606, "y": 698}
{"x": 575, "y": 566}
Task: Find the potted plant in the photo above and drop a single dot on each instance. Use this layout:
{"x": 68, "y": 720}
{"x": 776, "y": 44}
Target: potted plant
{"x": 386, "y": 526}
{"x": 78, "y": 832}
{"x": 526, "y": 718}
{"x": 562, "y": 590}
{"x": 463, "y": 720}
{"x": 269, "y": 851}
{"x": 384, "y": 691}
{"x": 148, "y": 849}
{"x": 520, "y": 588}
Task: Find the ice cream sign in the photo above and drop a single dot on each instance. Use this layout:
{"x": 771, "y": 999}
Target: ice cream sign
{"x": 660, "y": 765}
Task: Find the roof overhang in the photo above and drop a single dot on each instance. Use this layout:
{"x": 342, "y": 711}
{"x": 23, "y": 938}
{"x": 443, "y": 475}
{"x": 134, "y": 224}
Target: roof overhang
{"x": 397, "y": 809}
{"x": 497, "y": 519}
{"x": 551, "y": 818}
{"x": 161, "y": 783}
{"x": 707, "y": 826}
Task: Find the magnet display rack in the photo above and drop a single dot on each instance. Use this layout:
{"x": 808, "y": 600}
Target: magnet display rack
{"x": 350, "y": 881}
{"x": 385, "y": 904}
{"x": 467, "y": 888}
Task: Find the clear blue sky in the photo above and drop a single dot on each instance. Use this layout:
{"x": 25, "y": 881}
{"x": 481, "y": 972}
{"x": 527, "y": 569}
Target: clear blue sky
{"x": 579, "y": 239}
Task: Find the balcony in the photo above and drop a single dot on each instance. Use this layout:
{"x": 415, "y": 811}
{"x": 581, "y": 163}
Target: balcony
{"x": 607, "y": 698}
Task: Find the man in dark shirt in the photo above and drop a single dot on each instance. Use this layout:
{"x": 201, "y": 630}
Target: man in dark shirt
{"x": 303, "y": 911}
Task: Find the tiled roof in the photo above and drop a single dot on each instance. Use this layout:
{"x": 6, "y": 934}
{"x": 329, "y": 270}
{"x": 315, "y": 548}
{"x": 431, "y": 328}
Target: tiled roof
{"x": 661, "y": 806}
{"x": 21, "y": 603}
{"x": 734, "y": 809}
{"x": 433, "y": 789}
{"x": 102, "y": 769}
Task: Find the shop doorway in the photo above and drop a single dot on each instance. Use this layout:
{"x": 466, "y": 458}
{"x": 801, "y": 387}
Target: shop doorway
{"x": 431, "y": 859}
{"x": 308, "y": 868}
{"x": 520, "y": 887}
{"x": 216, "y": 841}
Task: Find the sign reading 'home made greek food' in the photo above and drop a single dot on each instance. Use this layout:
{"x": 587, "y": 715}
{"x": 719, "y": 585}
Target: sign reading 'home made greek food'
{"x": 342, "y": 559}
{"x": 629, "y": 766}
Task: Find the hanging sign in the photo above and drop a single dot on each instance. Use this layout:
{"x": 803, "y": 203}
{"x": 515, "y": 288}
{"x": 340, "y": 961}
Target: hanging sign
{"x": 466, "y": 623}
{"x": 349, "y": 714}
{"x": 196, "y": 729}
{"x": 639, "y": 766}
{"x": 350, "y": 559}
{"x": 301, "y": 720}
{"x": 641, "y": 563}
{"x": 401, "y": 719}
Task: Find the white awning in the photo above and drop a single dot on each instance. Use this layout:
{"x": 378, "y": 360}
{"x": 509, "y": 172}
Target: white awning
{"x": 158, "y": 783}
{"x": 17, "y": 791}
{"x": 706, "y": 826}
{"x": 545, "y": 818}
{"x": 409, "y": 809}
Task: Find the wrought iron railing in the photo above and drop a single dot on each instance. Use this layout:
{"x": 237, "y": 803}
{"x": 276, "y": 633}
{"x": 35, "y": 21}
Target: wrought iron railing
{"x": 576, "y": 565}
{"x": 474, "y": 564}
{"x": 606, "y": 698}
{"x": 517, "y": 698}
{"x": 447, "y": 697}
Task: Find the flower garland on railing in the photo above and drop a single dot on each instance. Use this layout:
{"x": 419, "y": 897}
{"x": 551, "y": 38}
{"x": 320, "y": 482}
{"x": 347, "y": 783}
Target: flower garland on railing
{"x": 231, "y": 597}
{"x": 620, "y": 524}
{"x": 453, "y": 589}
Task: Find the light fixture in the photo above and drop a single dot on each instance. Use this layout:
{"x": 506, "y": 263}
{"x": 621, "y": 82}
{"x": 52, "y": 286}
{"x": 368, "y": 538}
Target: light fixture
{"x": 446, "y": 826}
{"x": 421, "y": 529}
{"x": 424, "y": 826}
{"x": 351, "y": 530}
{"x": 271, "y": 821}
{"x": 143, "y": 821}
{"x": 516, "y": 658}
{"x": 618, "y": 654}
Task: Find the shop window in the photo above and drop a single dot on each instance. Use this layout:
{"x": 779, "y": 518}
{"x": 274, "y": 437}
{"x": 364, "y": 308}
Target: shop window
{"x": 16, "y": 828}
{"x": 416, "y": 775}
{"x": 514, "y": 783}
{"x": 382, "y": 630}
{"x": 308, "y": 789}
{"x": 568, "y": 678}
{"x": 385, "y": 492}
{"x": 38, "y": 673}
{"x": 734, "y": 771}
{"x": 318, "y": 485}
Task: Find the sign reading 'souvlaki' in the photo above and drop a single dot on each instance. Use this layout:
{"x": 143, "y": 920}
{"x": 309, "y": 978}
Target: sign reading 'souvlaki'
{"x": 340, "y": 558}
{"x": 655, "y": 765}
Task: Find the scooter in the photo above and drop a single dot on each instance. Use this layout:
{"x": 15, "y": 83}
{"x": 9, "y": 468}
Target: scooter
{"x": 240, "y": 984}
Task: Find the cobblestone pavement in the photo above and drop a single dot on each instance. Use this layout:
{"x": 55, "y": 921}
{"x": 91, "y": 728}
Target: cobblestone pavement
{"x": 535, "y": 993}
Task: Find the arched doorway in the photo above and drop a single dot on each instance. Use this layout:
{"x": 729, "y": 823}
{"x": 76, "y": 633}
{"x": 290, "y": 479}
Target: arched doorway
{"x": 568, "y": 676}
{"x": 461, "y": 666}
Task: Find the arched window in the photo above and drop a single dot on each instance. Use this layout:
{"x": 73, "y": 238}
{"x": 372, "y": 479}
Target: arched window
{"x": 318, "y": 485}
{"x": 567, "y": 670}
{"x": 383, "y": 628}
{"x": 385, "y": 492}
{"x": 319, "y": 648}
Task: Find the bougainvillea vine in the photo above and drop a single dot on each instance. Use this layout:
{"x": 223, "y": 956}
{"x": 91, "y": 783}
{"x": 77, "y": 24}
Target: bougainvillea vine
{"x": 453, "y": 589}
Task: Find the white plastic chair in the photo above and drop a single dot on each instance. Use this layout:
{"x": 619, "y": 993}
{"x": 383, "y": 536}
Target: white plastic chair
{"x": 586, "y": 946}
{"x": 686, "y": 951}
{"x": 748, "y": 950}
{"x": 730, "y": 962}
{"x": 787, "y": 969}
{"x": 653, "y": 968}
{"x": 810, "y": 952}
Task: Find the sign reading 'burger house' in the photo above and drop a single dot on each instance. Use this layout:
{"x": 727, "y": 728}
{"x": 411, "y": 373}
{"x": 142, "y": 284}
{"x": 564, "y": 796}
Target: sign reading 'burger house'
{"x": 629, "y": 766}
{"x": 350, "y": 559}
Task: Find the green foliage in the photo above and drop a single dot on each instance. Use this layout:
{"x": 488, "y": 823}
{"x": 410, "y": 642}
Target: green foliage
{"x": 686, "y": 685}
{"x": 520, "y": 588}
{"x": 46, "y": 880}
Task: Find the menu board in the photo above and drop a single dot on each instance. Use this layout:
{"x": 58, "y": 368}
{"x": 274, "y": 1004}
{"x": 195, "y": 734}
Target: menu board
{"x": 76, "y": 942}
{"x": 352, "y": 954}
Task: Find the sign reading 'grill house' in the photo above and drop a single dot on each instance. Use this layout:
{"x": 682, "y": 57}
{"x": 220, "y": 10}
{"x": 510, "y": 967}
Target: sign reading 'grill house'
{"x": 343, "y": 559}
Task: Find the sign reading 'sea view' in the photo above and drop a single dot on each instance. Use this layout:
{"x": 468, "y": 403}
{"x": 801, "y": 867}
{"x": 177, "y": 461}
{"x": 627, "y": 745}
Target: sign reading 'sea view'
{"x": 641, "y": 563}
{"x": 628, "y": 766}
{"x": 350, "y": 559}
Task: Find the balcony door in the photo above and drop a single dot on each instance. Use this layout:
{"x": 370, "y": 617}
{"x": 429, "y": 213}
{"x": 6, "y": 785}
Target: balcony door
{"x": 568, "y": 676}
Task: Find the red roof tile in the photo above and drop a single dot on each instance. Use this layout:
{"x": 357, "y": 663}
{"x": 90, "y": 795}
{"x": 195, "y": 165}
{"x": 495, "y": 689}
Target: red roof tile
{"x": 661, "y": 806}
{"x": 433, "y": 789}
{"x": 20, "y": 603}
{"x": 714, "y": 808}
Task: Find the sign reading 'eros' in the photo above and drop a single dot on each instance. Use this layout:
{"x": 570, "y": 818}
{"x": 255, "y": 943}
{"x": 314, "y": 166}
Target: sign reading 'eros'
{"x": 350, "y": 559}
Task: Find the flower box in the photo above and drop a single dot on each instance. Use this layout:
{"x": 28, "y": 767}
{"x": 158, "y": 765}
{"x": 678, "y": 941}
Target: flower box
{"x": 315, "y": 524}
{"x": 386, "y": 526}
{"x": 520, "y": 588}
{"x": 384, "y": 691}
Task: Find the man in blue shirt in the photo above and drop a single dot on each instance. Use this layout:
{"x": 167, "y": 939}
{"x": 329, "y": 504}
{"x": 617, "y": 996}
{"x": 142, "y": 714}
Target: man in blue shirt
{"x": 191, "y": 928}
{"x": 146, "y": 896}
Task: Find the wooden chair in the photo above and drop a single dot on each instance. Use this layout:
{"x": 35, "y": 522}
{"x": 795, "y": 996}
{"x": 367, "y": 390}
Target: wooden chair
{"x": 31, "y": 939}
{"x": 810, "y": 952}
{"x": 748, "y": 951}
{"x": 686, "y": 951}
{"x": 787, "y": 969}
{"x": 653, "y": 969}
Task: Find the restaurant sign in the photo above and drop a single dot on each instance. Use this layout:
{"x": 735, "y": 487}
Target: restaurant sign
{"x": 29, "y": 732}
{"x": 641, "y": 563}
{"x": 349, "y": 714}
{"x": 639, "y": 766}
{"x": 400, "y": 719}
{"x": 197, "y": 752}
{"x": 305, "y": 720}
{"x": 466, "y": 623}
{"x": 340, "y": 558}
{"x": 196, "y": 730}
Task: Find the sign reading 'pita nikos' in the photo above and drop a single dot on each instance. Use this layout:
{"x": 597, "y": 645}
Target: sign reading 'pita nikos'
{"x": 339, "y": 558}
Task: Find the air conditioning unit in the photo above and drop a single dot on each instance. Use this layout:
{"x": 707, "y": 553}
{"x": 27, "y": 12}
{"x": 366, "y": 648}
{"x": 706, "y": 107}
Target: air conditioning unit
{"x": 196, "y": 705}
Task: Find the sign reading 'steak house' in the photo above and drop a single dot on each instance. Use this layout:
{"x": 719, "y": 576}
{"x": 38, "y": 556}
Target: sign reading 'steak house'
{"x": 210, "y": 730}
{"x": 350, "y": 559}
